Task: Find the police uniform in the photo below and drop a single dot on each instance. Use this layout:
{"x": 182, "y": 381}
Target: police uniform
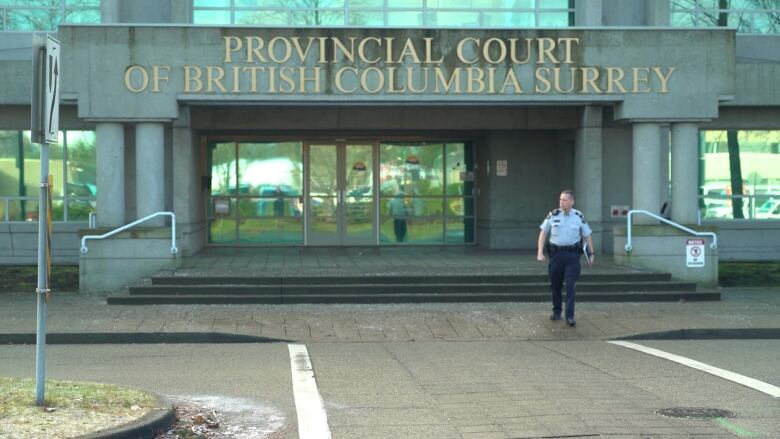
{"x": 566, "y": 232}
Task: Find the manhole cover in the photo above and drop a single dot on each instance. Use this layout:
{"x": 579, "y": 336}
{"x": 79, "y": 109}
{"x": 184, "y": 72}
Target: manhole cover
{"x": 695, "y": 413}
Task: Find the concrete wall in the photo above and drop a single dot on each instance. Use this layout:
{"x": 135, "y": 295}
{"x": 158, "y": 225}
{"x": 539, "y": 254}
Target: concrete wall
{"x": 19, "y": 243}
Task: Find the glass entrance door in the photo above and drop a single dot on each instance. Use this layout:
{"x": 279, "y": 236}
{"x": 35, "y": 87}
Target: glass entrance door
{"x": 340, "y": 193}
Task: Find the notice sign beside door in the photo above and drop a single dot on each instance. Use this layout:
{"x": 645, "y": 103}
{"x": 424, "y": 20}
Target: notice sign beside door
{"x": 694, "y": 253}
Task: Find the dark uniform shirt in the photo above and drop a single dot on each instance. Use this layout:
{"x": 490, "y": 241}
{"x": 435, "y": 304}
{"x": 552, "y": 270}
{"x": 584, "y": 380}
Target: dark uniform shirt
{"x": 565, "y": 229}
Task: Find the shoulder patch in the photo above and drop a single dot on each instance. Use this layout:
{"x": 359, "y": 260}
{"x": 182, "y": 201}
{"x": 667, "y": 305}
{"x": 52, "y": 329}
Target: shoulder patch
{"x": 579, "y": 214}
{"x": 553, "y": 213}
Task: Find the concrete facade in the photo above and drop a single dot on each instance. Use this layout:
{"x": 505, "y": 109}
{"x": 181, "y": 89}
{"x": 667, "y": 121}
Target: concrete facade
{"x": 155, "y": 89}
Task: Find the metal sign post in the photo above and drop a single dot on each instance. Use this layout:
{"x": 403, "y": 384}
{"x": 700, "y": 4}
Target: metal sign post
{"x": 45, "y": 116}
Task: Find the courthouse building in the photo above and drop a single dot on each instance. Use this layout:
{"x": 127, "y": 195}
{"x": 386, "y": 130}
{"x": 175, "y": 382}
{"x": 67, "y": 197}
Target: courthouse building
{"x": 297, "y": 123}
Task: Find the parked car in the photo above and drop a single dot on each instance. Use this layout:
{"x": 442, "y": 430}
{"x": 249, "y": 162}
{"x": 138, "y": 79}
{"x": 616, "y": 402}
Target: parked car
{"x": 769, "y": 210}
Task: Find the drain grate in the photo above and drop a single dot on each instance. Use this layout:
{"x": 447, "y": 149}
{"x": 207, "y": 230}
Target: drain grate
{"x": 695, "y": 413}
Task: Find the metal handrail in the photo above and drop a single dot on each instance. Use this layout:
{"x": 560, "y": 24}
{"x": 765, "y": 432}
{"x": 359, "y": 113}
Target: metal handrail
{"x": 93, "y": 220}
{"x": 174, "y": 250}
{"x": 629, "y": 247}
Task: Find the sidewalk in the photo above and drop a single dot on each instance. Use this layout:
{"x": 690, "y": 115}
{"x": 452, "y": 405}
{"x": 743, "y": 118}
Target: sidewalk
{"x": 76, "y": 318}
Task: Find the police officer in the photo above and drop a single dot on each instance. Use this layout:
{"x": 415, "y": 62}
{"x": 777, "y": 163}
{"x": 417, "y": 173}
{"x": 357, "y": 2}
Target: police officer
{"x": 567, "y": 228}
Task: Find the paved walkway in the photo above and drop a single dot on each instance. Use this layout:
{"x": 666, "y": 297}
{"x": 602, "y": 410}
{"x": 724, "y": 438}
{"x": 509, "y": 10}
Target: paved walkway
{"x": 741, "y": 309}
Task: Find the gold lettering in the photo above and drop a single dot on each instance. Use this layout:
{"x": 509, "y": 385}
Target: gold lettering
{"x": 513, "y": 51}
{"x": 338, "y": 79}
{"x": 390, "y": 75}
{"x": 543, "y": 79}
{"x": 410, "y": 79}
{"x": 614, "y": 77}
{"x": 491, "y": 80}
{"x": 546, "y": 47}
{"x": 447, "y": 83}
{"x": 272, "y": 80}
{"x": 253, "y": 46}
{"x": 475, "y": 77}
{"x": 253, "y": 79}
{"x": 641, "y": 79}
{"x": 362, "y": 50}
{"x": 588, "y": 79}
{"x": 315, "y": 79}
{"x": 323, "y": 52}
{"x": 567, "y": 42}
{"x": 511, "y": 77}
{"x": 364, "y": 80}
{"x": 557, "y": 80}
{"x": 192, "y": 74}
{"x": 409, "y": 50}
{"x": 285, "y": 73}
{"x": 272, "y": 50}
{"x": 236, "y": 80}
{"x": 664, "y": 79}
{"x": 459, "y": 50}
{"x": 348, "y": 53}
{"x": 144, "y": 78}
{"x": 302, "y": 53}
{"x": 213, "y": 79}
{"x": 501, "y": 51}
{"x": 389, "y": 50}
{"x": 429, "y": 52}
{"x": 230, "y": 48}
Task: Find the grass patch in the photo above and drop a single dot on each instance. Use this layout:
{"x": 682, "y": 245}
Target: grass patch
{"x": 70, "y": 408}
{"x": 749, "y": 274}
{"x": 24, "y": 278}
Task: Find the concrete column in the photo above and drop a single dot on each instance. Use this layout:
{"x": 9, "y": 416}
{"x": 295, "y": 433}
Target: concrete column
{"x": 110, "y": 140}
{"x": 109, "y": 11}
{"x": 685, "y": 162}
{"x": 646, "y": 170}
{"x": 588, "y": 13}
{"x": 658, "y": 12}
{"x": 150, "y": 171}
{"x": 588, "y": 156}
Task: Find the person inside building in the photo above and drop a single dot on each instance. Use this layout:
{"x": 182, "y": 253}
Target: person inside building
{"x": 567, "y": 229}
{"x": 397, "y": 209}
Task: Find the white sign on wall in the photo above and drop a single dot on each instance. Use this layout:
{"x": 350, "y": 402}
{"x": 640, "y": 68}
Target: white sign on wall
{"x": 694, "y": 253}
{"x": 501, "y": 168}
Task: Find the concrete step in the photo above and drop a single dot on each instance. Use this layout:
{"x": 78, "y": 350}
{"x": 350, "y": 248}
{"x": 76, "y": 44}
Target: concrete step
{"x": 406, "y": 279}
{"x": 656, "y": 296}
{"x": 374, "y": 289}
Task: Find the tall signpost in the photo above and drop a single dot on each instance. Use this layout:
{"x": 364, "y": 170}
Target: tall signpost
{"x": 45, "y": 115}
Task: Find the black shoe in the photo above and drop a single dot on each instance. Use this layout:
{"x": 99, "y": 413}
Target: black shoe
{"x": 571, "y": 322}
{"x": 555, "y": 317}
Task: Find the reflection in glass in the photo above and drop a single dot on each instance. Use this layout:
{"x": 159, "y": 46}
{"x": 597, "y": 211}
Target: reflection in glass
{"x": 268, "y": 18}
{"x": 359, "y": 194}
{"x": 222, "y": 158}
{"x": 222, "y": 222}
{"x": 211, "y": 17}
{"x": 323, "y": 199}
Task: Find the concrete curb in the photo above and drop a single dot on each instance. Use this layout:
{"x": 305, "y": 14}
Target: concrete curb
{"x": 136, "y": 338}
{"x": 709, "y": 334}
{"x": 161, "y": 418}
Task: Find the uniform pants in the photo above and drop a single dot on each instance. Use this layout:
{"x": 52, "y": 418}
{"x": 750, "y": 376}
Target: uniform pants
{"x": 399, "y": 224}
{"x": 564, "y": 266}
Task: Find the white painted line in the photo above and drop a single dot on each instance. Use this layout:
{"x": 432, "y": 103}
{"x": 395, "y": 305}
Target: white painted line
{"x": 731, "y": 376}
{"x": 312, "y": 420}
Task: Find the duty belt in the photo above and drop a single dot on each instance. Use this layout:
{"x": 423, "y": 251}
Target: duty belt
{"x": 565, "y": 248}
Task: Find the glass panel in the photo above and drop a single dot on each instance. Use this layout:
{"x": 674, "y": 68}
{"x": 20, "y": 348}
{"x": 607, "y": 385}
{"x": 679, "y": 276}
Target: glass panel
{"x": 365, "y": 18}
{"x": 56, "y": 167}
{"x": 211, "y": 3}
{"x": 508, "y": 19}
{"x": 356, "y": 4}
{"x": 222, "y": 223}
{"x": 30, "y": 3}
{"x": 82, "y": 3}
{"x": 318, "y": 18}
{"x": 82, "y": 169}
{"x": 222, "y": 157}
{"x": 269, "y": 18}
{"x": 359, "y": 194}
{"x": 449, "y": 4}
{"x": 418, "y": 231}
{"x": 82, "y": 16}
{"x": 554, "y": 19}
{"x": 261, "y": 4}
{"x": 58, "y": 209}
{"x": 211, "y": 17}
{"x": 33, "y": 19}
{"x": 459, "y": 230}
{"x": 404, "y": 3}
{"x": 79, "y": 208}
{"x": 3, "y": 208}
{"x": 12, "y": 144}
{"x": 470, "y": 19}
{"x": 553, "y": 4}
{"x": 457, "y": 169}
{"x": 412, "y": 168}
{"x": 323, "y": 186}
{"x": 23, "y": 210}
{"x": 271, "y": 231}
{"x": 683, "y": 19}
{"x": 502, "y": 4}
{"x": 404, "y": 19}
{"x": 458, "y": 206}
{"x": 266, "y": 169}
